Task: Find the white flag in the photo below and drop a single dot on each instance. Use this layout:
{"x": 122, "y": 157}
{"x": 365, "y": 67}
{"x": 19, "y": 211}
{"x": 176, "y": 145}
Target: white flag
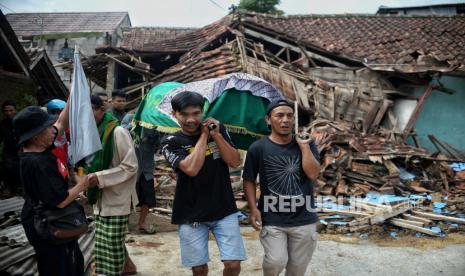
{"x": 85, "y": 140}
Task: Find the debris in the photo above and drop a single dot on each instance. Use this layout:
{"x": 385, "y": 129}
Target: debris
{"x": 439, "y": 217}
{"x": 457, "y": 167}
{"x": 163, "y": 210}
{"x": 372, "y": 211}
{"x": 356, "y": 162}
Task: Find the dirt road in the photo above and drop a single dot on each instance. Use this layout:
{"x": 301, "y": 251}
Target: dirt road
{"x": 159, "y": 255}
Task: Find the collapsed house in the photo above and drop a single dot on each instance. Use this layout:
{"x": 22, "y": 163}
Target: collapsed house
{"x": 58, "y": 33}
{"x": 27, "y": 77}
{"x": 388, "y": 89}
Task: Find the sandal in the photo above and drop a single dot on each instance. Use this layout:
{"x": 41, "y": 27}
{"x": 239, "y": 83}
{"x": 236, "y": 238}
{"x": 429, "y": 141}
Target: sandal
{"x": 149, "y": 230}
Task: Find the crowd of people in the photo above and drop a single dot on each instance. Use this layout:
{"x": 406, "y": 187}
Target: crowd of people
{"x": 121, "y": 176}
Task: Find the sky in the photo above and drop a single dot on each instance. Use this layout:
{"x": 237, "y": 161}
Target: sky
{"x": 198, "y": 13}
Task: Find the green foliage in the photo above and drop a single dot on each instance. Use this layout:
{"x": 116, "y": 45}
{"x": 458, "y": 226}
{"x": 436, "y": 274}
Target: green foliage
{"x": 261, "y": 6}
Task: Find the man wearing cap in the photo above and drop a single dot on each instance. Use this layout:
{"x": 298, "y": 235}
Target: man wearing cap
{"x": 286, "y": 166}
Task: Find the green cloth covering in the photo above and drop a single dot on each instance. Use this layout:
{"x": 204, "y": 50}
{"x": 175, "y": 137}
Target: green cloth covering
{"x": 102, "y": 158}
{"x": 242, "y": 113}
{"x": 148, "y": 115}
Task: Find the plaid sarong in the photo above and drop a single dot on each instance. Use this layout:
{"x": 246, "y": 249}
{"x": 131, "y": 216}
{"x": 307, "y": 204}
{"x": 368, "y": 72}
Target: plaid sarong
{"x": 110, "y": 251}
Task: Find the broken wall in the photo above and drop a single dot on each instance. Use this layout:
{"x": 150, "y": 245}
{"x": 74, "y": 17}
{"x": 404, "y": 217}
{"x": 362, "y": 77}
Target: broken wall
{"x": 443, "y": 115}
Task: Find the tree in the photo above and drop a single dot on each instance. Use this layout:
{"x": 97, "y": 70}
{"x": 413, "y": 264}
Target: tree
{"x": 261, "y": 6}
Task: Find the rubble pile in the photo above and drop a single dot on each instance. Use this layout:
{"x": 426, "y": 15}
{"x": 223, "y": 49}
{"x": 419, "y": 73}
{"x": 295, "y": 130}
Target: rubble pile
{"x": 432, "y": 215}
{"x": 354, "y": 163}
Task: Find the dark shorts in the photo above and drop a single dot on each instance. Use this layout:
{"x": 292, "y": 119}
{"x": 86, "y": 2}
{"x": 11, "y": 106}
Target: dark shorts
{"x": 145, "y": 192}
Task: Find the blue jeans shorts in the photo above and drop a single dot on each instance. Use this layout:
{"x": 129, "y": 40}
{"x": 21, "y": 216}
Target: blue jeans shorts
{"x": 194, "y": 241}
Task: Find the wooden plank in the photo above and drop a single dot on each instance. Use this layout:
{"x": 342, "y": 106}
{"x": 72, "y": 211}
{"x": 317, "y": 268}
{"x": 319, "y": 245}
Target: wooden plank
{"x": 294, "y": 48}
{"x": 359, "y": 228}
{"x": 392, "y": 168}
{"x": 163, "y": 210}
{"x": 381, "y": 113}
{"x": 165, "y": 197}
{"x": 345, "y": 212}
{"x": 415, "y": 228}
{"x": 415, "y": 218}
{"x": 110, "y": 86}
{"x": 444, "y": 180}
{"x": 382, "y": 217}
{"x": 416, "y": 112}
{"x": 412, "y": 222}
{"x": 14, "y": 53}
{"x": 370, "y": 116}
{"x": 361, "y": 221}
{"x": 438, "y": 217}
{"x": 370, "y": 208}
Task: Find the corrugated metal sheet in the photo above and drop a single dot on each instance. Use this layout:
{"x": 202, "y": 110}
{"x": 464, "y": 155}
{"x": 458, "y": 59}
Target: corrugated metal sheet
{"x": 10, "y": 256}
{"x": 11, "y": 205}
{"x": 14, "y": 233}
{"x": 27, "y": 267}
{"x": 17, "y": 255}
{"x": 21, "y": 261}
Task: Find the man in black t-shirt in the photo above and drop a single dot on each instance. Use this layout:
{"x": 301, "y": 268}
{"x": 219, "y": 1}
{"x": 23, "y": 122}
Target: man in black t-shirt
{"x": 200, "y": 154}
{"x": 286, "y": 209}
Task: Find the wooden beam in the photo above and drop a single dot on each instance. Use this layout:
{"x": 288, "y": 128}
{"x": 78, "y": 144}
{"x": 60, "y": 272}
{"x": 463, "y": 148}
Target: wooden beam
{"x": 36, "y": 60}
{"x": 302, "y": 49}
{"x": 416, "y": 112}
{"x": 420, "y": 219}
{"x": 345, "y": 212}
{"x": 439, "y": 217}
{"x": 281, "y": 51}
{"x": 163, "y": 210}
{"x": 412, "y": 222}
{"x": 387, "y": 215}
{"x": 294, "y": 48}
{"x": 165, "y": 197}
{"x": 110, "y": 78}
{"x": 136, "y": 70}
{"x": 381, "y": 112}
{"x": 414, "y": 227}
{"x": 13, "y": 51}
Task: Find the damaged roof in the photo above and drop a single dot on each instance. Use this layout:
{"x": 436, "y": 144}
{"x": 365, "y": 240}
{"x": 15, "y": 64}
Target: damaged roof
{"x": 373, "y": 39}
{"x": 34, "y": 64}
{"x": 431, "y": 41}
{"x": 31, "y": 24}
{"x": 137, "y": 37}
{"x": 186, "y": 41}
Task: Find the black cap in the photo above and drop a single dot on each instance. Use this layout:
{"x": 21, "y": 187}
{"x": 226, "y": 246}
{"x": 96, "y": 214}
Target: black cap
{"x": 31, "y": 121}
{"x": 277, "y": 103}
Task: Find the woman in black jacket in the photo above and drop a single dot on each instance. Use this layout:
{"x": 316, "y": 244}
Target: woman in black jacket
{"x": 45, "y": 179}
